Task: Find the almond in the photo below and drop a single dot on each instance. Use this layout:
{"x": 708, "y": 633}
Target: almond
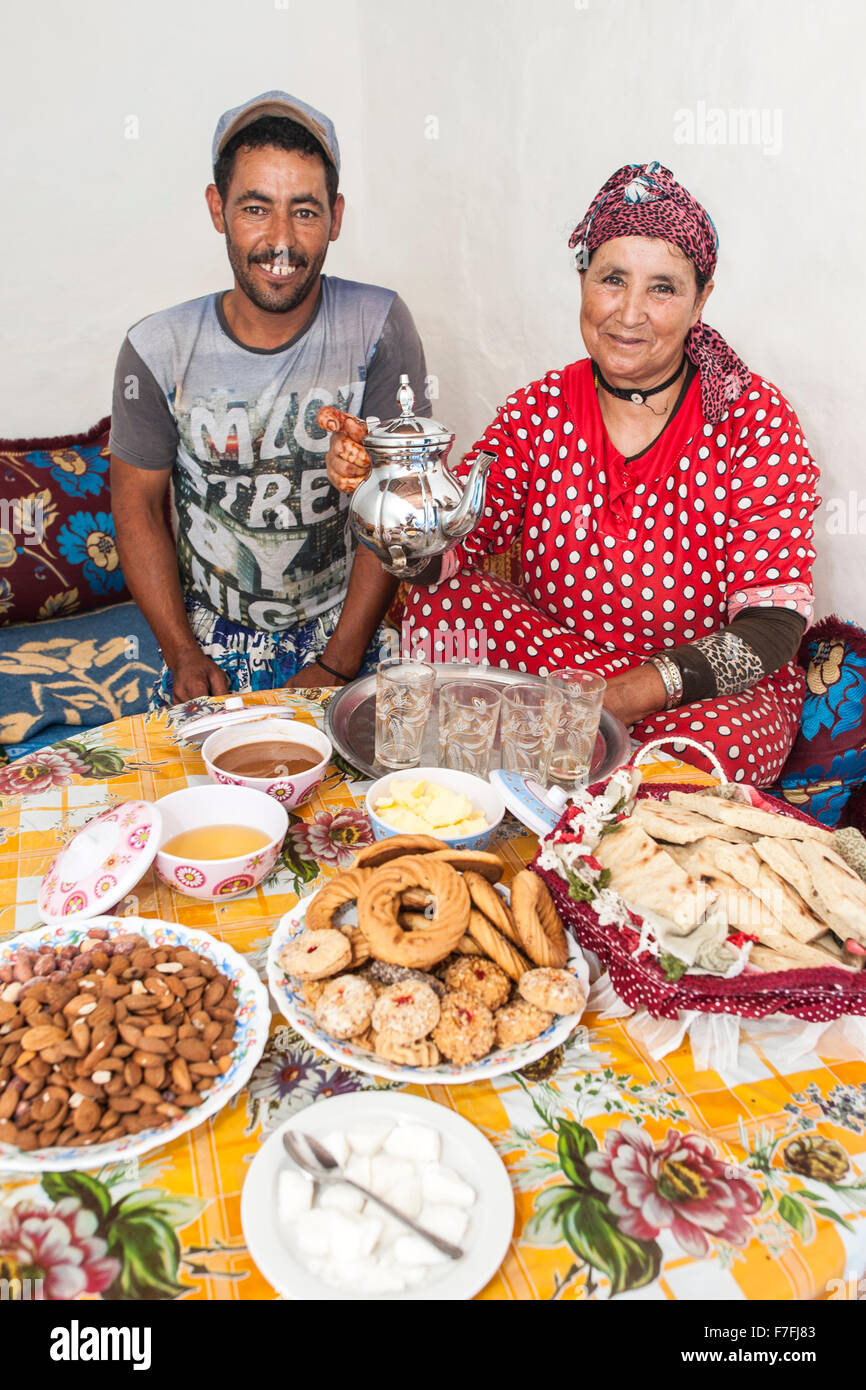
{"x": 155, "y": 1076}
{"x": 7, "y": 1011}
{"x": 193, "y": 1049}
{"x": 87, "y": 1116}
{"x": 180, "y": 1075}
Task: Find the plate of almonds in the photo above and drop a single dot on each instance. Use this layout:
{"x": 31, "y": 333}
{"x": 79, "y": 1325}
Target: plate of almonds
{"x": 116, "y": 1036}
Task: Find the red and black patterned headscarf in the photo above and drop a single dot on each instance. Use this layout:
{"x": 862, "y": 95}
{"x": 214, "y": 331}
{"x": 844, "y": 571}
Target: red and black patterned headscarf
{"x": 646, "y": 200}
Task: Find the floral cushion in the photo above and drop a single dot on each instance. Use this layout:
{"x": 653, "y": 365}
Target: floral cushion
{"x": 77, "y": 672}
{"x": 57, "y": 548}
{"x": 828, "y": 759}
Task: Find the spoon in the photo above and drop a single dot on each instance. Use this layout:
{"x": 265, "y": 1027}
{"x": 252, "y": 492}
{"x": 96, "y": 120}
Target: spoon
{"x": 325, "y": 1169}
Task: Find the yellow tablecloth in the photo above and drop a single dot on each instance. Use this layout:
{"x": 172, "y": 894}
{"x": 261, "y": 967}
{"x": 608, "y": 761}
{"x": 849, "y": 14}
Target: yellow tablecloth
{"x": 632, "y": 1177}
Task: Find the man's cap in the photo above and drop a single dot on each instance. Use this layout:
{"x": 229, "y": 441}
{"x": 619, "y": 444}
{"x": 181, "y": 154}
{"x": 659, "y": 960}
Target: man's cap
{"x": 277, "y": 104}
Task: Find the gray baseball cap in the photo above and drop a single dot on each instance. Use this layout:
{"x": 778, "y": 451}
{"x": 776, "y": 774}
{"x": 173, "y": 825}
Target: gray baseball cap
{"x": 277, "y": 104}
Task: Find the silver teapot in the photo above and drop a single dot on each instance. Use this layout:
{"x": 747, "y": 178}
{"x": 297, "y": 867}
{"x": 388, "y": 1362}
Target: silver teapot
{"x": 411, "y": 508}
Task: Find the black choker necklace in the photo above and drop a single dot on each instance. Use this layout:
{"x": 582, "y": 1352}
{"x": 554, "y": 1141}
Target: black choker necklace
{"x": 637, "y": 397}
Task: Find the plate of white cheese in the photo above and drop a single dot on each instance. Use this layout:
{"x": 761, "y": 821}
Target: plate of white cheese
{"x": 326, "y": 1242}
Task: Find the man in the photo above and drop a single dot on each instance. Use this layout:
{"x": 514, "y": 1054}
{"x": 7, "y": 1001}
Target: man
{"x": 219, "y": 396}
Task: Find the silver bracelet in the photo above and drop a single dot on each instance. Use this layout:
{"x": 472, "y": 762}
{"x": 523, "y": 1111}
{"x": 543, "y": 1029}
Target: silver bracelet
{"x": 672, "y": 678}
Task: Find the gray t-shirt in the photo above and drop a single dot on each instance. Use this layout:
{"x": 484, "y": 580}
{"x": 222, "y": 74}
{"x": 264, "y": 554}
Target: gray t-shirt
{"x": 261, "y": 533}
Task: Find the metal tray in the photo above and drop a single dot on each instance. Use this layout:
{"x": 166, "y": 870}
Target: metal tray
{"x": 351, "y": 713}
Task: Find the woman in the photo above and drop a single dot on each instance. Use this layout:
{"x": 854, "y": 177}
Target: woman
{"x": 663, "y": 494}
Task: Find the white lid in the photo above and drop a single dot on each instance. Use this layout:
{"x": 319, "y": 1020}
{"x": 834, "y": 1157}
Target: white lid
{"x": 101, "y": 863}
{"x": 536, "y": 807}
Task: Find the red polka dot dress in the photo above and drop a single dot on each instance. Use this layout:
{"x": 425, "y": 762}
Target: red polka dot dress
{"x": 622, "y": 559}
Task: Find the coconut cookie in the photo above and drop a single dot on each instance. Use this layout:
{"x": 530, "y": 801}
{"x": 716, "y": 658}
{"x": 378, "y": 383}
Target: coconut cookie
{"x": 465, "y": 1030}
{"x": 345, "y": 1006}
{"x": 555, "y": 991}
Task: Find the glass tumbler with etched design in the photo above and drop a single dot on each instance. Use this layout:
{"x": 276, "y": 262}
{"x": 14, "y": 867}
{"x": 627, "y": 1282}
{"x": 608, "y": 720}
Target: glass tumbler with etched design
{"x": 404, "y": 695}
{"x": 521, "y": 728}
{"x": 468, "y": 717}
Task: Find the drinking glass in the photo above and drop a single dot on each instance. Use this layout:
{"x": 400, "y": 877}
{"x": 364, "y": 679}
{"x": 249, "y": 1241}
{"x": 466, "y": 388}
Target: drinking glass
{"x": 468, "y": 715}
{"x": 572, "y": 713}
{"x": 522, "y": 725}
{"x": 404, "y": 694}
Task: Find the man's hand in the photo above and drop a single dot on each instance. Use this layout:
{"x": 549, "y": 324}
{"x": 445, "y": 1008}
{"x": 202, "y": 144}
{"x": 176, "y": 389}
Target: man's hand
{"x": 193, "y": 674}
{"x": 311, "y": 675}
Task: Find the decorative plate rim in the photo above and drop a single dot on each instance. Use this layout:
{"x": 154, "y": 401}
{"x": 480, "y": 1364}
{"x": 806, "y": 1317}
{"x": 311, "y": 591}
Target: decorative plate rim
{"x": 255, "y": 1035}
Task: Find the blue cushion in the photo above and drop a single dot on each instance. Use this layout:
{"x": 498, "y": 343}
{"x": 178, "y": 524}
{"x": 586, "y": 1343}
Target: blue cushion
{"x": 74, "y": 673}
{"x": 828, "y": 760}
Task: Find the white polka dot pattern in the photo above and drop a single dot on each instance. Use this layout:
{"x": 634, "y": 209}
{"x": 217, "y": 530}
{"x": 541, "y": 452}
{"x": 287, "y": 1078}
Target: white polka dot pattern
{"x": 621, "y": 560}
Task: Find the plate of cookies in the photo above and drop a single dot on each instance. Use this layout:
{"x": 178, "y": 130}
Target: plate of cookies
{"x": 418, "y": 965}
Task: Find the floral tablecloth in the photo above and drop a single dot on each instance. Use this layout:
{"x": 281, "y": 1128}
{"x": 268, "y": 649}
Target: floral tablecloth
{"x": 632, "y": 1177}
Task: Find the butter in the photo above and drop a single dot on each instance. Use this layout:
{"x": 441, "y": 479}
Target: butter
{"x": 424, "y": 808}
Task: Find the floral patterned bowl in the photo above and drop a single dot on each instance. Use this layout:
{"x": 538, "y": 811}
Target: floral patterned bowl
{"x": 251, "y": 1032}
{"x": 290, "y": 791}
{"x": 212, "y": 879}
{"x": 290, "y": 1002}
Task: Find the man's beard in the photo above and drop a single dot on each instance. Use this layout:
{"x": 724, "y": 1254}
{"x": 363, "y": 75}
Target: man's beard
{"x": 276, "y": 299}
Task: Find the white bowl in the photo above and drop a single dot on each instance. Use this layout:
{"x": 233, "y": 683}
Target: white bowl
{"x": 211, "y": 879}
{"x": 289, "y": 791}
{"x": 483, "y": 797}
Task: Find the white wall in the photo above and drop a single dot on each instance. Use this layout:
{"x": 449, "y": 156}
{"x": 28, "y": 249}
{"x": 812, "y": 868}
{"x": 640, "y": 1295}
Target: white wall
{"x": 536, "y": 101}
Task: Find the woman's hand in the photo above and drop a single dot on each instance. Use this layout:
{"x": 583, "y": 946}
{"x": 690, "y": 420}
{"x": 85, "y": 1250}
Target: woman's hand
{"x": 348, "y": 463}
{"x": 635, "y": 695}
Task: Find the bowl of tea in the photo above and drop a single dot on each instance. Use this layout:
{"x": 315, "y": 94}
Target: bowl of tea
{"x": 285, "y": 758}
{"x": 218, "y": 842}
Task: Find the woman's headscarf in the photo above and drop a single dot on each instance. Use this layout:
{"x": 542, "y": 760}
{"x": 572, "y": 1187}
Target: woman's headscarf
{"x": 646, "y": 200}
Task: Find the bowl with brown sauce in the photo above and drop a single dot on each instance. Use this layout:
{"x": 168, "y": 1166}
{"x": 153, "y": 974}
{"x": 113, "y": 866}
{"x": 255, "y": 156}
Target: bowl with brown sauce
{"x": 285, "y": 758}
{"x": 218, "y": 842}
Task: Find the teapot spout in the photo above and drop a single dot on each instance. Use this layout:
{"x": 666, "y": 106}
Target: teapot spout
{"x": 459, "y": 522}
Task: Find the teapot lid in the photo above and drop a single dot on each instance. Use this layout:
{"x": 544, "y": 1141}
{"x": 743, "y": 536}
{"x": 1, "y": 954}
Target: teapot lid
{"x": 407, "y": 428}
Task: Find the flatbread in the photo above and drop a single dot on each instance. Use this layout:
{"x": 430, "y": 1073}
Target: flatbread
{"x": 748, "y": 817}
{"x": 783, "y": 857}
{"x": 679, "y": 827}
{"x": 785, "y": 903}
{"x": 744, "y": 910}
{"x": 785, "y": 947}
{"x": 648, "y": 878}
{"x": 837, "y": 885}
{"x": 771, "y": 958}
{"x": 829, "y": 943}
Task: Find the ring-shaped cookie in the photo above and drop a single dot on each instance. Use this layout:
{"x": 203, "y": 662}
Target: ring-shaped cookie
{"x": 538, "y": 923}
{"x": 327, "y": 902}
{"x": 379, "y": 906}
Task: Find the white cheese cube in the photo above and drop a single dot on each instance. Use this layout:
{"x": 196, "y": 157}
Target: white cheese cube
{"x": 444, "y": 1220}
{"x": 414, "y": 1141}
{"x": 387, "y": 1172}
{"x": 414, "y": 1250}
{"x": 352, "y": 1237}
{"x": 443, "y": 1185}
{"x": 341, "y": 1197}
{"x": 314, "y": 1230}
{"x": 368, "y": 1139}
{"x": 294, "y": 1194}
{"x": 405, "y": 1195}
{"x": 337, "y": 1144}
{"x": 358, "y": 1169}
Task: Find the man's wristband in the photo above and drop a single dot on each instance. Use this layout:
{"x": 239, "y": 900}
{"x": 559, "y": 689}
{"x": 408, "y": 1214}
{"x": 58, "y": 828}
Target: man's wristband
{"x": 672, "y": 679}
{"x": 331, "y": 672}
